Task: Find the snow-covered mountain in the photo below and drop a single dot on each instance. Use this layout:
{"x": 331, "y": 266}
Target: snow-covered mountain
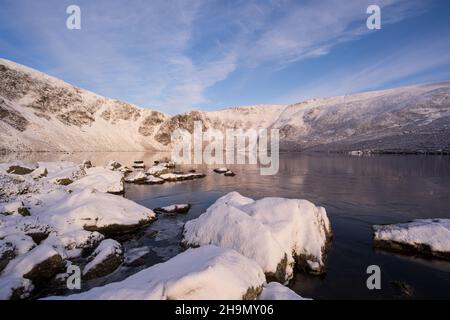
{"x": 41, "y": 113}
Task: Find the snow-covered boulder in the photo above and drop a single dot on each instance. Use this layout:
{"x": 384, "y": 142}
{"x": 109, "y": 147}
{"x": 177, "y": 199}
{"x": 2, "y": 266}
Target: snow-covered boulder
{"x": 171, "y": 177}
{"x": 91, "y": 210}
{"x": 174, "y": 208}
{"x": 157, "y": 170}
{"x": 428, "y": 237}
{"x": 24, "y": 226}
{"x": 39, "y": 173}
{"x": 275, "y": 232}
{"x": 105, "y": 259}
{"x": 138, "y": 164}
{"x": 113, "y": 165}
{"x": 101, "y": 179}
{"x": 28, "y": 271}
{"x": 276, "y": 291}
{"x": 20, "y": 242}
{"x": 229, "y": 173}
{"x": 125, "y": 170}
{"x": 221, "y": 170}
{"x": 74, "y": 243}
{"x": 153, "y": 180}
{"x": 168, "y": 164}
{"x": 138, "y": 177}
{"x": 208, "y": 272}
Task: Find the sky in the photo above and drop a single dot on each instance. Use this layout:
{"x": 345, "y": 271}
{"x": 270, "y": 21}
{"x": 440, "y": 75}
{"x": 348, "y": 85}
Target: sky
{"x": 180, "y": 55}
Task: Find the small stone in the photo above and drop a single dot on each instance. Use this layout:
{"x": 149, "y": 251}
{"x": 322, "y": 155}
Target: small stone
{"x": 229, "y": 174}
{"x": 113, "y": 165}
{"x": 87, "y": 164}
{"x": 105, "y": 259}
{"x": 175, "y": 208}
{"x": 63, "y": 181}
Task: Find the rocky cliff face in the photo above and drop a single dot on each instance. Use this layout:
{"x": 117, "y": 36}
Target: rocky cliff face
{"x": 41, "y": 113}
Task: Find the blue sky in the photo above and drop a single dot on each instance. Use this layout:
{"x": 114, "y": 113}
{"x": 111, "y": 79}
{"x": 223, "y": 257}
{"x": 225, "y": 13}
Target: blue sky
{"x": 181, "y": 55}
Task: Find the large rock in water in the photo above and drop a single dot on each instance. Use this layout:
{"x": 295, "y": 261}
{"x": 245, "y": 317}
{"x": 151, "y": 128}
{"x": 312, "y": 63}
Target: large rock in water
{"x": 274, "y": 232}
{"x": 91, "y": 210}
{"x": 174, "y": 208}
{"x": 208, "y": 272}
{"x": 427, "y": 237}
{"x": 138, "y": 177}
{"x": 105, "y": 259}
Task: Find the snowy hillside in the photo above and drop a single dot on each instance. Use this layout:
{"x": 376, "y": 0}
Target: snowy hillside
{"x": 41, "y": 113}
{"x": 415, "y": 118}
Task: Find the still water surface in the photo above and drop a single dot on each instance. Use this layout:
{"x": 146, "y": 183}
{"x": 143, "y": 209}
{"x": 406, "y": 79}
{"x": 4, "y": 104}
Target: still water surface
{"x": 357, "y": 192}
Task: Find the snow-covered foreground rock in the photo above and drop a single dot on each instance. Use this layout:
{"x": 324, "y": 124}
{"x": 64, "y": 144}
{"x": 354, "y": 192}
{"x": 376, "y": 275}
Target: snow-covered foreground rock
{"x": 32, "y": 268}
{"x": 105, "y": 259}
{"x": 208, "y": 272}
{"x": 45, "y": 223}
{"x": 428, "y": 237}
{"x": 276, "y": 291}
{"x": 274, "y": 232}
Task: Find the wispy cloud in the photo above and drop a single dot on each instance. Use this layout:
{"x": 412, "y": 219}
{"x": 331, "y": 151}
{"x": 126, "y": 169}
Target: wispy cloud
{"x": 407, "y": 61}
{"x": 166, "y": 54}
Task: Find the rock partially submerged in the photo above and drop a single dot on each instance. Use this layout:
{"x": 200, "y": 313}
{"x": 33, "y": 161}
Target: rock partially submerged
{"x": 426, "y": 237}
{"x": 153, "y": 180}
{"x": 138, "y": 164}
{"x": 208, "y": 272}
{"x": 106, "y": 258}
{"x": 171, "y": 177}
{"x": 174, "y": 208}
{"x": 91, "y": 210}
{"x": 138, "y": 177}
{"x": 274, "y": 232}
{"x": 276, "y": 291}
{"x": 221, "y": 170}
{"x": 113, "y": 165}
{"x": 157, "y": 170}
{"x": 229, "y": 174}
{"x": 135, "y": 257}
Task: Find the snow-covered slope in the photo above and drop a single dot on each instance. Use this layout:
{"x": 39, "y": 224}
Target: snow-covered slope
{"x": 41, "y": 113}
{"x": 415, "y": 118}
